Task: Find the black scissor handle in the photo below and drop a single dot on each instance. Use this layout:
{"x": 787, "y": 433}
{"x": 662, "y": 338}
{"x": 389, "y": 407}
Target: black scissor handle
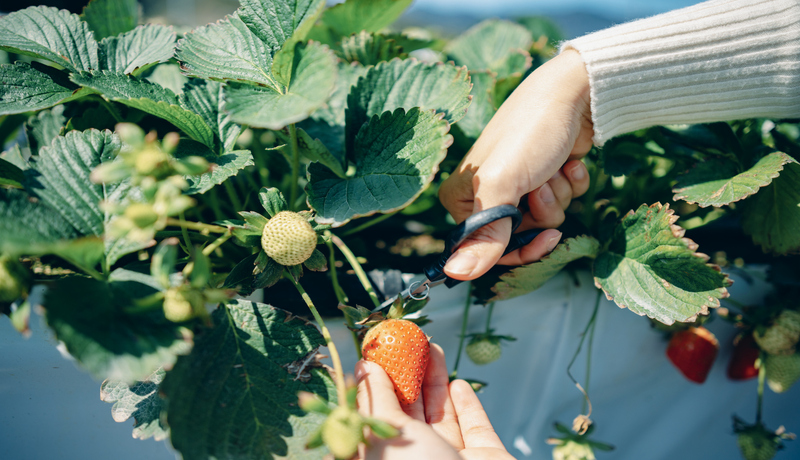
{"x": 435, "y": 271}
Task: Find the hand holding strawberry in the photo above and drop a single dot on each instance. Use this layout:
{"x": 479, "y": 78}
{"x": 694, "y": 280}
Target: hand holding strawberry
{"x": 446, "y": 421}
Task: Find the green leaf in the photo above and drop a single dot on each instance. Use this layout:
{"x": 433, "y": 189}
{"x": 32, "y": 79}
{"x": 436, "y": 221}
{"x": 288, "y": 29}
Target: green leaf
{"x": 26, "y": 222}
{"x": 222, "y": 166}
{"x": 370, "y": 49}
{"x": 51, "y": 34}
{"x": 353, "y": 16}
{"x": 313, "y": 150}
{"x": 28, "y": 87}
{"x": 108, "y": 18}
{"x": 718, "y": 182}
{"x": 313, "y": 79}
{"x": 651, "y": 269}
{"x": 316, "y": 262}
{"x": 542, "y": 26}
{"x": 44, "y": 127}
{"x": 327, "y": 122}
{"x": 144, "y": 45}
{"x": 241, "y": 277}
{"x": 10, "y": 175}
{"x": 140, "y": 401}
{"x": 277, "y": 21}
{"x": 88, "y": 316}
{"x": 396, "y": 156}
{"x": 272, "y": 200}
{"x": 407, "y": 84}
{"x": 226, "y": 50}
{"x": 147, "y": 97}
{"x": 169, "y": 76}
{"x": 495, "y": 45}
{"x": 531, "y": 277}
{"x": 482, "y": 108}
{"x": 772, "y": 216}
{"x": 73, "y": 195}
{"x": 235, "y": 395}
{"x": 621, "y": 157}
{"x": 204, "y": 98}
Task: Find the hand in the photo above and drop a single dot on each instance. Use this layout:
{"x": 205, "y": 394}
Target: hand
{"x": 531, "y": 147}
{"x": 446, "y": 422}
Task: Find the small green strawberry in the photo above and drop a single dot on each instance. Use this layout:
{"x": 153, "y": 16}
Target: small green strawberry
{"x": 573, "y": 446}
{"x": 756, "y": 441}
{"x": 782, "y": 336}
{"x": 178, "y": 306}
{"x": 14, "y": 279}
{"x": 288, "y": 238}
{"x": 485, "y": 348}
{"x": 343, "y": 431}
{"x": 782, "y": 371}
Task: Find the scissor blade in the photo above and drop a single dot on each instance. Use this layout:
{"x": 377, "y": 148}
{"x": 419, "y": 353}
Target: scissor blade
{"x": 417, "y": 289}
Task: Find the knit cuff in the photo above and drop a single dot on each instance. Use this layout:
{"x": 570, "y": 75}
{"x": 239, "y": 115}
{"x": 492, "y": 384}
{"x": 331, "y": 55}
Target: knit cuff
{"x": 718, "y": 60}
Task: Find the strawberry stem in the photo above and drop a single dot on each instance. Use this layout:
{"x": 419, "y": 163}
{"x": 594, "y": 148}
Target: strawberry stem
{"x": 489, "y": 316}
{"x": 295, "y": 165}
{"x": 351, "y": 258}
{"x": 187, "y": 242}
{"x": 463, "y": 335}
{"x": 202, "y": 228}
{"x": 341, "y": 296}
{"x": 341, "y": 391}
{"x": 578, "y": 351}
{"x": 762, "y": 373}
{"x": 233, "y": 195}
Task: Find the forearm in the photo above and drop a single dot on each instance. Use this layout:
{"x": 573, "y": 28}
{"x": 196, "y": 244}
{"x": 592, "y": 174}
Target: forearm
{"x": 719, "y": 60}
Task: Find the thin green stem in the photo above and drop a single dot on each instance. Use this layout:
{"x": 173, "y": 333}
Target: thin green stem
{"x": 588, "y": 363}
{"x": 200, "y": 227}
{"x": 213, "y": 201}
{"x": 94, "y": 273}
{"x": 233, "y": 195}
{"x": 111, "y": 109}
{"x": 341, "y": 391}
{"x": 489, "y": 316}
{"x": 217, "y": 243}
{"x": 341, "y": 295}
{"x": 295, "y": 165}
{"x": 463, "y": 335}
{"x": 185, "y": 234}
{"x": 762, "y": 374}
{"x": 578, "y": 351}
{"x": 369, "y": 224}
{"x": 351, "y": 258}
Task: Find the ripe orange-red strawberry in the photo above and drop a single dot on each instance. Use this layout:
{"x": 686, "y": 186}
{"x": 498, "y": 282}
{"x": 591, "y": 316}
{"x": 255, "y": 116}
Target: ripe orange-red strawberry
{"x": 402, "y": 350}
{"x": 742, "y": 365}
{"x": 693, "y": 352}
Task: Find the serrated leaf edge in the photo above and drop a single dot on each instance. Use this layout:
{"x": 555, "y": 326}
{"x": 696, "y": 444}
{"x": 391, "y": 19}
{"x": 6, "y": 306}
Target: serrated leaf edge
{"x": 678, "y": 232}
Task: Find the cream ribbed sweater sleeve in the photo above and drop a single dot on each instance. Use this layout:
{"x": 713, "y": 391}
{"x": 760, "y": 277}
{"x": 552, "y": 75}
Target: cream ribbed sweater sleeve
{"x": 718, "y": 60}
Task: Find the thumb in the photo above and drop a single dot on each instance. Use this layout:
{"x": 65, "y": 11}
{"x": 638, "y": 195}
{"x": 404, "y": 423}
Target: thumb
{"x": 375, "y": 396}
{"x": 484, "y": 247}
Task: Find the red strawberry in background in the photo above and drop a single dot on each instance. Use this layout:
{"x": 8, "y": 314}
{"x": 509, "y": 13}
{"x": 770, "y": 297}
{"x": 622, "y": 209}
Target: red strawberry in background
{"x": 742, "y": 365}
{"x": 693, "y": 352}
{"x": 402, "y": 350}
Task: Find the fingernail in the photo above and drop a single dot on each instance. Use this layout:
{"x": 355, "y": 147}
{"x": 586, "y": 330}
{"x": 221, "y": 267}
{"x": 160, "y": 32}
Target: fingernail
{"x": 553, "y": 242}
{"x": 577, "y": 173}
{"x": 462, "y": 263}
{"x": 546, "y": 194}
{"x": 362, "y": 369}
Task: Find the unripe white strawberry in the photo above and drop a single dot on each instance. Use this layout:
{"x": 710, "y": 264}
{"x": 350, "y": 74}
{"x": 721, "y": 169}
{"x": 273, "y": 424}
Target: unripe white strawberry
{"x": 782, "y": 371}
{"x": 288, "y": 238}
{"x": 178, "y": 306}
{"x": 343, "y": 431}
{"x": 782, "y": 336}
{"x": 483, "y": 350}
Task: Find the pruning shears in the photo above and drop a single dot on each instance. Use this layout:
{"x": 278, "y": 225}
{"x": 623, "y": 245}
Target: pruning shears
{"x": 434, "y": 273}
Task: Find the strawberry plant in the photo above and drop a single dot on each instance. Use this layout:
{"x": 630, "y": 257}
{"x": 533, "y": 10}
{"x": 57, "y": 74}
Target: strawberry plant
{"x": 152, "y": 181}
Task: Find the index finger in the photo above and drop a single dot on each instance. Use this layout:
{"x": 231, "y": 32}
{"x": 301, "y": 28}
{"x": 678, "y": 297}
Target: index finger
{"x": 476, "y": 429}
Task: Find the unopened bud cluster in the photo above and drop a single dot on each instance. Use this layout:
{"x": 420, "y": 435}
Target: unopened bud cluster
{"x": 151, "y": 167}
